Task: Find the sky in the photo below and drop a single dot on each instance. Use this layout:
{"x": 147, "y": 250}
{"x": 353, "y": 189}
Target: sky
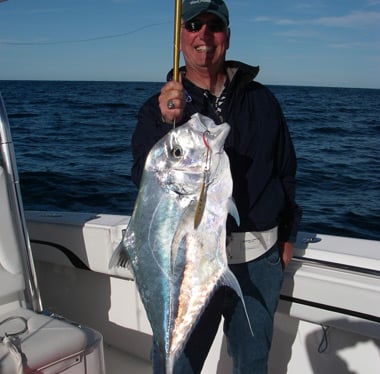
{"x": 296, "y": 42}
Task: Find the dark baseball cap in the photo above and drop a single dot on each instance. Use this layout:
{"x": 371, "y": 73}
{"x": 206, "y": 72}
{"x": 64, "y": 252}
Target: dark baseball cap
{"x": 193, "y": 8}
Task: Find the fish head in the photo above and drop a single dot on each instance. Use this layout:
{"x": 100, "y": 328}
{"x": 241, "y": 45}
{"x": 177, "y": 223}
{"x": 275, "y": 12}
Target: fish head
{"x": 179, "y": 160}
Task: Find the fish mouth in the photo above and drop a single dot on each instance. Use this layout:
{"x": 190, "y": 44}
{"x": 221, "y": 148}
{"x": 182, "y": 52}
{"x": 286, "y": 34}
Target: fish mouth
{"x": 218, "y": 135}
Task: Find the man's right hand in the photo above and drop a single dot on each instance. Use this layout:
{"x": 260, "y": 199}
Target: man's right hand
{"x": 172, "y": 95}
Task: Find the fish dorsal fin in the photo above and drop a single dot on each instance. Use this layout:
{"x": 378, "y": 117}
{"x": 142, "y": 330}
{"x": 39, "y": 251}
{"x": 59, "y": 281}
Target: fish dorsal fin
{"x": 120, "y": 256}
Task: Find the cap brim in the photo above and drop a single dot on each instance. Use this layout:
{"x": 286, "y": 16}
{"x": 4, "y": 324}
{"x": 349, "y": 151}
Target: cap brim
{"x": 190, "y": 16}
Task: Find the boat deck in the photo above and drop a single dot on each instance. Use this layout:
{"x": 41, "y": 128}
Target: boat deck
{"x": 119, "y": 362}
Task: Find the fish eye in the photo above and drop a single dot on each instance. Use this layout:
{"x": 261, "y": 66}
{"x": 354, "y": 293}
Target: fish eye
{"x": 177, "y": 152}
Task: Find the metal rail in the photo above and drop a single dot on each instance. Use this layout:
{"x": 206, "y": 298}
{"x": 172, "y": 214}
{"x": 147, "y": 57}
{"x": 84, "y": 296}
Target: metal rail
{"x": 335, "y": 266}
{"x": 33, "y": 298}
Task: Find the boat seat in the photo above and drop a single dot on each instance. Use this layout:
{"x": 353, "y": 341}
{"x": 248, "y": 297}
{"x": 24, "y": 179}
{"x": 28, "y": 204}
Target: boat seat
{"x": 31, "y": 339}
{"x": 45, "y": 344}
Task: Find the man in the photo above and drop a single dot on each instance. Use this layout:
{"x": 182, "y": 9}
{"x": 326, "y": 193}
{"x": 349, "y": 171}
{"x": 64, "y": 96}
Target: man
{"x": 263, "y": 166}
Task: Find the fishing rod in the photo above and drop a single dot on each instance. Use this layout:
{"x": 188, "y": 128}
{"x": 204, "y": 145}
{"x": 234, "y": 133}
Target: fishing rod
{"x": 177, "y": 34}
{"x": 176, "y": 43}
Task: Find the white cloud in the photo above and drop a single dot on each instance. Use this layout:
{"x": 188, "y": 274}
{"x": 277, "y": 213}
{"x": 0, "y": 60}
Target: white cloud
{"x": 305, "y": 6}
{"x": 283, "y": 21}
{"x": 355, "y": 45}
{"x": 356, "y": 19}
{"x": 373, "y": 2}
{"x": 297, "y": 34}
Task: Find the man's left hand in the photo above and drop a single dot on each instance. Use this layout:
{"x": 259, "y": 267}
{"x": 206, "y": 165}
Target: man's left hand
{"x": 286, "y": 253}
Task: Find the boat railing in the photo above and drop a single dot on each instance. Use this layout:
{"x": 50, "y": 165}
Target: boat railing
{"x": 10, "y": 166}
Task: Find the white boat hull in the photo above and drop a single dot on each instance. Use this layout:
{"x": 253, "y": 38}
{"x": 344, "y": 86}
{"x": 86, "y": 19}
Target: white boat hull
{"x": 328, "y": 320}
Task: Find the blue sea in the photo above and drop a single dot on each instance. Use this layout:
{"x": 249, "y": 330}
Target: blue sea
{"x": 72, "y": 142}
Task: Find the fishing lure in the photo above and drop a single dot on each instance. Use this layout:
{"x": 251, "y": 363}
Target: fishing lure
{"x": 202, "y": 196}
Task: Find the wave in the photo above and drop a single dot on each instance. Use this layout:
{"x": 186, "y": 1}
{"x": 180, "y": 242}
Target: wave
{"x": 72, "y": 142}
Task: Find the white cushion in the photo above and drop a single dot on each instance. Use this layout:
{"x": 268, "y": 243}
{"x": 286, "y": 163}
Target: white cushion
{"x": 46, "y": 341}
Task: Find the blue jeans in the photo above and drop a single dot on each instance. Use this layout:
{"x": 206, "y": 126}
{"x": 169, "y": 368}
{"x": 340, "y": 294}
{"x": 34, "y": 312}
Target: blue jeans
{"x": 260, "y": 281}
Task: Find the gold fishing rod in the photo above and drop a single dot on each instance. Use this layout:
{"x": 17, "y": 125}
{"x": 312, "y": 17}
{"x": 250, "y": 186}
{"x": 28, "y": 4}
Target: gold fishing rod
{"x": 177, "y": 34}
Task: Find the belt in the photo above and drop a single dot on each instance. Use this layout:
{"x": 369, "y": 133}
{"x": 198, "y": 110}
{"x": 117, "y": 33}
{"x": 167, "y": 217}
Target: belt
{"x": 247, "y": 246}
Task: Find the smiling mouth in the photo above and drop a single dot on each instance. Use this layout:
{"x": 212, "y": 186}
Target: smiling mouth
{"x": 205, "y": 49}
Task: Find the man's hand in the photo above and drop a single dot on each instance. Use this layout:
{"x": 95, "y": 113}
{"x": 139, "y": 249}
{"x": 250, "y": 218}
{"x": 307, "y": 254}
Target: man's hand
{"x": 172, "y": 101}
{"x": 286, "y": 253}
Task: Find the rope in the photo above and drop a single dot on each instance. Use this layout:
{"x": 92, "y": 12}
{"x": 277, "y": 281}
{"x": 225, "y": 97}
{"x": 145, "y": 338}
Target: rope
{"x": 10, "y": 341}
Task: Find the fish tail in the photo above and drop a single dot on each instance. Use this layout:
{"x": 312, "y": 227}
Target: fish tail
{"x": 229, "y": 279}
{"x": 169, "y": 365}
{"x": 120, "y": 257}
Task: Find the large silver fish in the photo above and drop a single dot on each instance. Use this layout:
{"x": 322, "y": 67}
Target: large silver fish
{"x": 176, "y": 238}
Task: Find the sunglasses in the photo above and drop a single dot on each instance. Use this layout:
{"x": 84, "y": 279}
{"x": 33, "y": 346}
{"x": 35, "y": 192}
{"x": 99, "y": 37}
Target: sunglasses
{"x": 214, "y": 25}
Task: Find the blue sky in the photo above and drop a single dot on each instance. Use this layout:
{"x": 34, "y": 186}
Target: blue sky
{"x": 319, "y": 42}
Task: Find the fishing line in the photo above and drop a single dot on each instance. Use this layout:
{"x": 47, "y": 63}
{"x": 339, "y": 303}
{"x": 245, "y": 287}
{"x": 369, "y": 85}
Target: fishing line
{"x": 112, "y": 36}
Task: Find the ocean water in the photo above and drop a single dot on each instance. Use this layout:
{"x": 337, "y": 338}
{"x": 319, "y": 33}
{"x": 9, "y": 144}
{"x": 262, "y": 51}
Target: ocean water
{"x": 72, "y": 142}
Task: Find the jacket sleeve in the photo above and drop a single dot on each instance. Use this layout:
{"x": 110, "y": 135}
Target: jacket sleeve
{"x": 290, "y": 216}
{"x": 148, "y": 131}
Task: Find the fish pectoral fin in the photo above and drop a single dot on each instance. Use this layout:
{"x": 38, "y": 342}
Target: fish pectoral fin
{"x": 178, "y": 245}
{"x": 233, "y": 211}
{"x": 228, "y": 279}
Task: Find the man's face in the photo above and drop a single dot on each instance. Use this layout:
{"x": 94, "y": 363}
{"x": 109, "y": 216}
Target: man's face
{"x": 206, "y": 43}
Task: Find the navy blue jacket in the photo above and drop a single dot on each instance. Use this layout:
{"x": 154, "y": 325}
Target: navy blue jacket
{"x": 261, "y": 153}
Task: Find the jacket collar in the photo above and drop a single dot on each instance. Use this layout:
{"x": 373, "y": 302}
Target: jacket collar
{"x": 235, "y": 69}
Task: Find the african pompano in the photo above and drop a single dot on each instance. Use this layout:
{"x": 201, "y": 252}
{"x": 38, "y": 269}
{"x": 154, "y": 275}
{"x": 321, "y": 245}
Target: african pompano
{"x": 176, "y": 238}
